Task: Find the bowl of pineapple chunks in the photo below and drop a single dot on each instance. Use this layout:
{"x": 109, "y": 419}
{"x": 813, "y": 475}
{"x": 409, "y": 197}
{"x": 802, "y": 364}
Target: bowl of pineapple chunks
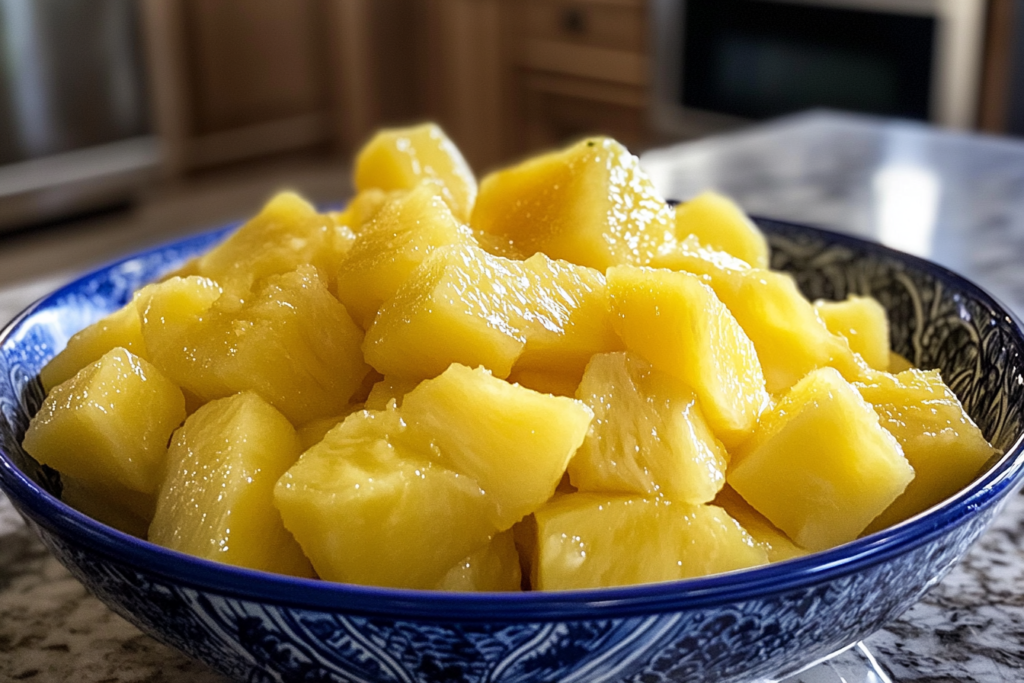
{"x": 547, "y": 427}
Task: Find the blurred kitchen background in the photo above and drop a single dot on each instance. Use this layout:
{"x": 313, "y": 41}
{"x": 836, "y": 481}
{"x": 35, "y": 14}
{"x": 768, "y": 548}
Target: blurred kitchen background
{"x": 216, "y": 102}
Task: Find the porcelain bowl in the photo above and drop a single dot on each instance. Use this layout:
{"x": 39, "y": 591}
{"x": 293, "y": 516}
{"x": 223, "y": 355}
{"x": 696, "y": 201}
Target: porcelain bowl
{"x": 749, "y": 625}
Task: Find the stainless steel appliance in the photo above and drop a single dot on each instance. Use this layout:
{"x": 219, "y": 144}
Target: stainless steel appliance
{"x": 74, "y": 125}
{"x": 722, "y": 62}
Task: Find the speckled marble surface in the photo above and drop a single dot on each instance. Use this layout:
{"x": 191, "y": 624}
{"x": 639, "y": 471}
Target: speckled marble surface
{"x": 956, "y": 198}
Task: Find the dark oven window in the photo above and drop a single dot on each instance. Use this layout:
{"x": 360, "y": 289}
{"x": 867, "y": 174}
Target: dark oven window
{"x": 757, "y": 58}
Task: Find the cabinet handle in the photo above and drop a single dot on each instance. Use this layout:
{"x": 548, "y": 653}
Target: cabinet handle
{"x": 574, "y": 21}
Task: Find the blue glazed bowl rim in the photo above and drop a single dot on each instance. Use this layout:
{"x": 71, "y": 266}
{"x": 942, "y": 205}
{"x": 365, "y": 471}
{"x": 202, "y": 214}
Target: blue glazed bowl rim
{"x": 1002, "y": 479}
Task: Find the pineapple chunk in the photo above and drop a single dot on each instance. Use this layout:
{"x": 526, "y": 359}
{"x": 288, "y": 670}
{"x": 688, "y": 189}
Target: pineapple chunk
{"x": 402, "y": 158}
{"x": 464, "y": 305}
{"x": 677, "y": 324}
{"x": 453, "y": 309}
{"x": 941, "y": 442}
{"x": 387, "y": 390}
{"x": 291, "y": 342}
{"x": 820, "y": 466}
{"x": 776, "y": 544}
{"x": 719, "y": 223}
{"x": 120, "y": 329}
{"x": 864, "y": 324}
{"x": 589, "y": 204}
{"x": 563, "y": 316}
{"x": 494, "y": 568}
{"x": 513, "y": 441}
{"x": 401, "y": 235}
{"x": 547, "y": 381}
{"x": 109, "y": 424}
{"x": 288, "y": 232}
{"x": 648, "y": 435}
{"x": 898, "y": 363}
{"x": 790, "y": 337}
{"x": 363, "y": 208}
{"x": 216, "y": 501}
{"x": 581, "y": 538}
{"x": 369, "y": 508}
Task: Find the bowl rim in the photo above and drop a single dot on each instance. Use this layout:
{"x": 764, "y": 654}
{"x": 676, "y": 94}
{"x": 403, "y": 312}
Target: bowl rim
{"x": 35, "y": 504}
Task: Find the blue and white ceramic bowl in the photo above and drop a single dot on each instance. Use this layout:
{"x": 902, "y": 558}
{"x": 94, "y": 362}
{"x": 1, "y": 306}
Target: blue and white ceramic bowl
{"x": 764, "y": 622}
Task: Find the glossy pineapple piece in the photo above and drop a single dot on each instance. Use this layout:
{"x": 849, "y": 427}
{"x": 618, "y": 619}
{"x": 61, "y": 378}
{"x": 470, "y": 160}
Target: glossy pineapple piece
{"x": 122, "y": 328}
{"x": 675, "y": 322}
{"x": 286, "y": 233}
{"x": 789, "y": 336}
{"x": 216, "y": 501}
{"x": 648, "y": 435}
{"x": 717, "y": 222}
{"x": 581, "y": 538}
{"x": 493, "y": 568}
{"x": 370, "y": 508}
{"x": 464, "y": 305}
{"x": 291, "y": 342}
{"x": 453, "y": 309}
{"x": 109, "y": 424}
{"x": 514, "y": 442}
{"x": 864, "y": 324}
{"x": 363, "y": 207}
{"x": 589, "y": 204}
{"x": 563, "y": 316}
{"x": 820, "y": 466}
{"x": 939, "y": 439}
{"x": 390, "y": 246}
{"x": 387, "y": 390}
{"x": 777, "y": 544}
{"x": 402, "y": 158}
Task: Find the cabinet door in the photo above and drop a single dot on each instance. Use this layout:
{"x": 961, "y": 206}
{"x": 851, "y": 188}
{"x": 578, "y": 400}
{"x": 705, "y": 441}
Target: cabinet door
{"x": 252, "y": 61}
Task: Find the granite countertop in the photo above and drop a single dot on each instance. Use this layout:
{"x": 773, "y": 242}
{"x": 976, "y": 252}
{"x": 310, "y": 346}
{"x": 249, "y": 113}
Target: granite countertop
{"x": 956, "y": 198}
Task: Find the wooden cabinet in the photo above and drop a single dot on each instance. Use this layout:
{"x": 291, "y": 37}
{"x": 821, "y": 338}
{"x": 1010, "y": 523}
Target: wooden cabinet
{"x": 240, "y": 79}
{"x": 234, "y": 79}
{"x": 582, "y": 68}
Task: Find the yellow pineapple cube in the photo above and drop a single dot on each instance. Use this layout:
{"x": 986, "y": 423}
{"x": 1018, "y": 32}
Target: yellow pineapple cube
{"x": 363, "y": 207}
{"x": 648, "y": 435}
{"x": 389, "y": 247}
{"x": 592, "y": 540}
{"x": 716, "y": 221}
{"x": 589, "y": 204}
{"x": 562, "y": 314}
{"x": 790, "y": 337}
{"x": 514, "y": 442}
{"x": 387, "y": 390}
{"x": 402, "y": 158}
{"x": 122, "y": 328}
{"x": 547, "y": 381}
{"x": 369, "y": 508}
{"x": 676, "y": 323}
{"x": 820, "y": 466}
{"x": 288, "y": 232}
{"x": 864, "y": 324}
{"x": 939, "y": 439}
{"x": 776, "y": 544}
{"x": 454, "y": 308}
{"x": 291, "y": 342}
{"x": 493, "y": 568}
{"x": 216, "y": 501}
{"x": 109, "y": 424}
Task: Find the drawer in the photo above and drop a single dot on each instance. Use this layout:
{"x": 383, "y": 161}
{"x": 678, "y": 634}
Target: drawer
{"x": 615, "y": 24}
{"x": 585, "y": 61}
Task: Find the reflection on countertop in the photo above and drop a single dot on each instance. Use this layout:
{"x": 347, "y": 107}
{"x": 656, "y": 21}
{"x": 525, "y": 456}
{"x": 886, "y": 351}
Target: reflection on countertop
{"x": 956, "y": 198}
